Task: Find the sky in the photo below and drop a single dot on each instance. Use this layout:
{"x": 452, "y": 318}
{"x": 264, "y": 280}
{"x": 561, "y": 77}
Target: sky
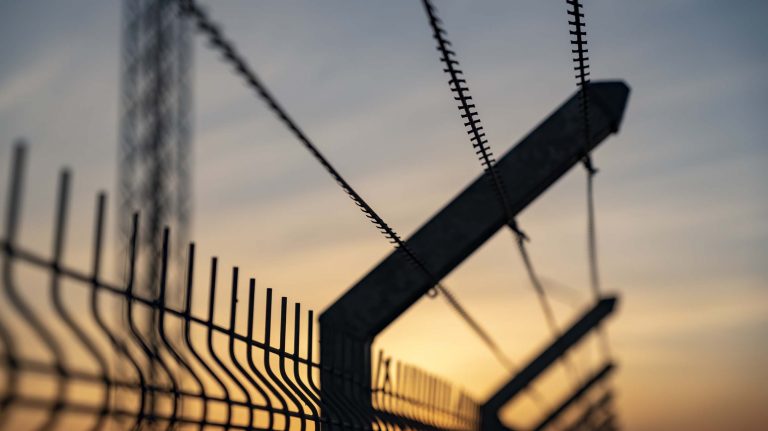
{"x": 681, "y": 193}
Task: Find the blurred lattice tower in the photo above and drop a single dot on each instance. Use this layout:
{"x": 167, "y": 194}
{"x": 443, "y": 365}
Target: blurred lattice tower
{"x": 155, "y": 128}
{"x": 154, "y": 146}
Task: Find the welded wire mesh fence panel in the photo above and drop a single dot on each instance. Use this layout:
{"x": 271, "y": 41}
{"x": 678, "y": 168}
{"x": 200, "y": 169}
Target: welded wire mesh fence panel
{"x": 80, "y": 352}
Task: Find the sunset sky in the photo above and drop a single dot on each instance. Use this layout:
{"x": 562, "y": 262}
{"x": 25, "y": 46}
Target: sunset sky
{"x": 682, "y": 200}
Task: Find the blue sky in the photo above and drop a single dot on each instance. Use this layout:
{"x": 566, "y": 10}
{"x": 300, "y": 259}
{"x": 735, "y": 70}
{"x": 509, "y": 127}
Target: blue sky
{"x": 681, "y": 194}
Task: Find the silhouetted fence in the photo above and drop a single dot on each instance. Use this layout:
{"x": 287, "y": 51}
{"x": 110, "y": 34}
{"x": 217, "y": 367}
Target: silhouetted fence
{"x": 153, "y": 366}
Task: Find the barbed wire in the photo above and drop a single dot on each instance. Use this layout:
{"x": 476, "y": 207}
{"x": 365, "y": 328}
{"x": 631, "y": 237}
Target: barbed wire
{"x": 478, "y": 139}
{"x": 227, "y": 49}
{"x": 581, "y": 67}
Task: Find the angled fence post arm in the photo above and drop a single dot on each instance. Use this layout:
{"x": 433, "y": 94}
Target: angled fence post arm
{"x": 474, "y": 215}
{"x": 588, "y": 414}
{"x": 563, "y": 406}
{"x": 462, "y": 226}
{"x": 608, "y": 424}
{"x": 590, "y": 320}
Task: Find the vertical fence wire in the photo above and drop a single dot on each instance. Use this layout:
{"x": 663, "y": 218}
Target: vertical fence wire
{"x": 170, "y": 368}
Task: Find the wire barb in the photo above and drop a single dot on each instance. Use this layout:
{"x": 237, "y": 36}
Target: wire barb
{"x": 581, "y": 66}
{"x": 480, "y": 144}
{"x": 468, "y": 112}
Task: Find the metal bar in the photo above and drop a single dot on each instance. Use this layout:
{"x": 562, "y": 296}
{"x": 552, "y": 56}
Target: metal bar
{"x": 607, "y": 424}
{"x": 588, "y": 414}
{"x": 557, "y": 411}
{"x": 547, "y": 357}
{"x": 172, "y": 350}
{"x": 10, "y": 228}
{"x": 249, "y": 354}
{"x": 462, "y": 226}
{"x": 232, "y": 354}
{"x": 187, "y": 331}
{"x": 474, "y": 215}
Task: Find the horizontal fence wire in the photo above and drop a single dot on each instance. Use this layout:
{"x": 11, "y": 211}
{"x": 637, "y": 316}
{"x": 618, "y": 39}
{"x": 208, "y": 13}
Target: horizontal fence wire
{"x": 156, "y": 366}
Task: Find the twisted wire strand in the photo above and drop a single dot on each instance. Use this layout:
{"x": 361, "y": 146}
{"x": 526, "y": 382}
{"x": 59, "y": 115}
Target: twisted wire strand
{"x": 468, "y": 112}
{"x": 580, "y": 51}
{"x": 227, "y": 49}
{"x": 580, "y": 58}
{"x": 581, "y": 67}
{"x": 479, "y": 141}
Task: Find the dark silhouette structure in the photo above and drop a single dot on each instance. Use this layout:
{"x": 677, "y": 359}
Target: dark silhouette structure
{"x": 154, "y": 156}
{"x": 460, "y": 228}
{"x": 262, "y": 377}
{"x": 154, "y": 143}
{"x": 554, "y": 352}
{"x": 167, "y": 366}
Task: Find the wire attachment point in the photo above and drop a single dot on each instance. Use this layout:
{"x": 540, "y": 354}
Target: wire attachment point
{"x": 586, "y": 161}
{"x": 519, "y": 233}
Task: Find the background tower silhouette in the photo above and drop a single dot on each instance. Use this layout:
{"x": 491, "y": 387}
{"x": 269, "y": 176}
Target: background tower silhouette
{"x": 153, "y": 155}
{"x": 155, "y": 127}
